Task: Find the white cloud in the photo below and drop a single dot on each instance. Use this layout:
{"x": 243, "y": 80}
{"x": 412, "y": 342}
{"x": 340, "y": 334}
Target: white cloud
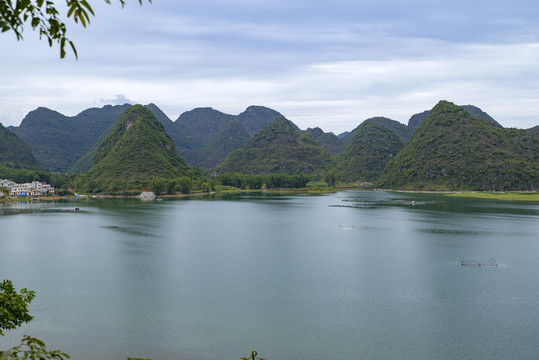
{"x": 318, "y": 65}
{"x": 116, "y": 100}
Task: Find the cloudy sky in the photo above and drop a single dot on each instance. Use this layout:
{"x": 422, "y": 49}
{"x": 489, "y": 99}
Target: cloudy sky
{"x": 327, "y": 63}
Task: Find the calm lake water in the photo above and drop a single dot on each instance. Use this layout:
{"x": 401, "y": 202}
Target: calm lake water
{"x": 351, "y": 275}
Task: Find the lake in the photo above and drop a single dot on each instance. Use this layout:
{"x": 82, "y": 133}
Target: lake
{"x": 350, "y": 275}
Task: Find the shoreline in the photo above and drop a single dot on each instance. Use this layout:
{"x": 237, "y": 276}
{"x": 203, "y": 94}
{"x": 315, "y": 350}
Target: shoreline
{"x": 531, "y": 196}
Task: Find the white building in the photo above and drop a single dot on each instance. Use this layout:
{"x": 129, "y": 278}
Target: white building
{"x": 35, "y": 188}
{"x": 7, "y": 184}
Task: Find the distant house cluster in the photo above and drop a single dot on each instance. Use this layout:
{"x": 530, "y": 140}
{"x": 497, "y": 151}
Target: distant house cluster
{"x": 35, "y": 188}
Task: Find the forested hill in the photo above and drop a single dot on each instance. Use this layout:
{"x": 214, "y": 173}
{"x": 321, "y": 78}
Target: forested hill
{"x": 404, "y": 132}
{"x": 14, "y": 153}
{"x": 84, "y": 163}
{"x": 447, "y": 148}
{"x": 454, "y": 150}
{"x": 367, "y": 155}
{"x": 278, "y": 148}
{"x": 417, "y": 119}
{"x": 136, "y": 151}
{"x": 58, "y": 141}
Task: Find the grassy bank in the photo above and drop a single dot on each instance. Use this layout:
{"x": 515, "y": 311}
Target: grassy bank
{"x": 511, "y": 196}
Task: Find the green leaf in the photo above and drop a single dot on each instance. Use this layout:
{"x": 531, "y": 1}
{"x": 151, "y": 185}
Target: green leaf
{"x": 87, "y": 6}
{"x": 62, "y": 48}
{"x": 70, "y": 11}
{"x": 73, "y": 48}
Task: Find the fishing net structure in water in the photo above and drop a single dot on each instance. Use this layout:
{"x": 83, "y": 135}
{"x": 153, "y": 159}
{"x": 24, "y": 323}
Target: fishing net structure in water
{"x": 489, "y": 262}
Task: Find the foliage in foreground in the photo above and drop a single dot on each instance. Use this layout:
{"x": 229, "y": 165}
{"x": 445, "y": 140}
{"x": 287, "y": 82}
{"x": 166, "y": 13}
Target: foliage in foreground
{"x": 44, "y": 17}
{"x": 13, "y": 313}
{"x": 253, "y": 356}
{"x": 32, "y": 348}
{"x": 14, "y": 306}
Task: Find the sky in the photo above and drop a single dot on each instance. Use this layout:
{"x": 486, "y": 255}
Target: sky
{"x": 330, "y": 64}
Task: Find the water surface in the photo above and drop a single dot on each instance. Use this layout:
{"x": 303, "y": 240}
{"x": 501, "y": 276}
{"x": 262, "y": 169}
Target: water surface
{"x": 355, "y": 275}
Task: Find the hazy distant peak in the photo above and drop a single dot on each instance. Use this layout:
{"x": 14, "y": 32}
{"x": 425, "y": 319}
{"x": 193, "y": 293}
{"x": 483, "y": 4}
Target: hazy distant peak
{"x": 417, "y": 119}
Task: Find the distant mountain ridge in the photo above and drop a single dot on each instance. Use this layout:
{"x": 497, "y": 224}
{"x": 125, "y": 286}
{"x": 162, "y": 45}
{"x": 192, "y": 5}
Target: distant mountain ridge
{"x": 254, "y": 142}
{"x": 198, "y": 133}
{"x": 231, "y": 137}
{"x": 254, "y": 118}
{"x": 58, "y": 141}
{"x": 328, "y": 141}
{"x": 201, "y": 125}
{"x": 62, "y": 143}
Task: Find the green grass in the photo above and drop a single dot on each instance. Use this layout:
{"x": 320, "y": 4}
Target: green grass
{"x": 511, "y": 196}
{"x": 317, "y": 183}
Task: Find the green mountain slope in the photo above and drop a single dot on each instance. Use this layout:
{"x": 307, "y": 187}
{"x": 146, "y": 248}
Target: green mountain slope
{"x": 196, "y": 128}
{"x": 231, "y": 137}
{"x": 85, "y": 162}
{"x": 534, "y": 131}
{"x": 137, "y": 150}
{"x": 453, "y": 150}
{"x": 398, "y": 128}
{"x": 328, "y": 141}
{"x": 478, "y": 113}
{"x": 14, "y": 153}
{"x": 195, "y": 132}
{"x": 417, "y": 119}
{"x": 58, "y": 141}
{"x": 278, "y": 148}
{"x": 367, "y": 155}
{"x": 255, "y": 118}
{"x": 161, "y": 116}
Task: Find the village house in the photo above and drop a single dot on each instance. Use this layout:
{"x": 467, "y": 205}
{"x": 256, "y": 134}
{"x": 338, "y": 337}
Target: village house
{"x": 35, "y": 188}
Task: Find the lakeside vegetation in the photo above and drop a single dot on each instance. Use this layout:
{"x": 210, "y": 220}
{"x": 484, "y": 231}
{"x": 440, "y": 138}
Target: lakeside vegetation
{"x": 509, "y": 196}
